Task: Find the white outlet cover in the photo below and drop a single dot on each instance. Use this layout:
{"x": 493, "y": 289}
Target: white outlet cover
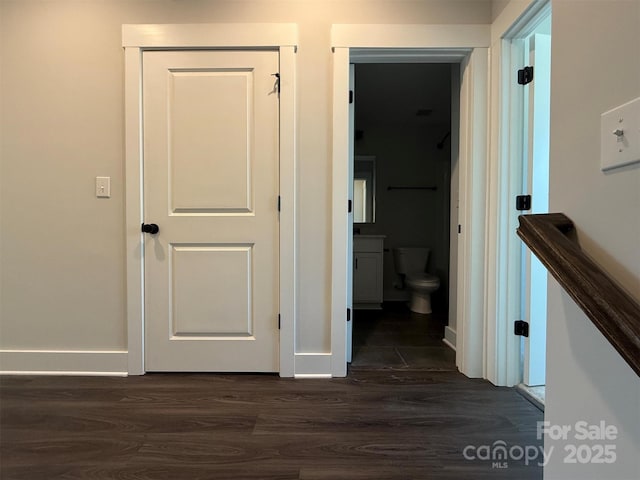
{"x": 623, "y": 148}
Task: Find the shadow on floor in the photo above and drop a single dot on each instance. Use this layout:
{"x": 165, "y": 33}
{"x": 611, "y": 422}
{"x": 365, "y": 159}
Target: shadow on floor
{"x": 396, "y": 338}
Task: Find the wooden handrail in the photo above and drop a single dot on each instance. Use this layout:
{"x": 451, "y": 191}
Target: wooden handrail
{"x": 610, "y": 308}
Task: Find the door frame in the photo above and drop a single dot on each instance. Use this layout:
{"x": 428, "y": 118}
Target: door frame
{"x": 282, "y": 38}
{"x": 469, "y": 46}
{"x": 504, "y": 246}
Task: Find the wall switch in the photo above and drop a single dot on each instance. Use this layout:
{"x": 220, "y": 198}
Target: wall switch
{"x": 103, "y": 187}
{"x": 620, "y": 136}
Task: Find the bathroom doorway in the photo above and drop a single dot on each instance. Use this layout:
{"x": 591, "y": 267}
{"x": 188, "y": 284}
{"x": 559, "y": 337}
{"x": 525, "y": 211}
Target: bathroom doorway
{"x": 402, "y": 131}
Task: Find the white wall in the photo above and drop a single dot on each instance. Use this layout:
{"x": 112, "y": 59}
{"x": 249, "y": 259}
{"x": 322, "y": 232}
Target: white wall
{"x": 497, "y": 7}
{"x": 595, "y": 67}
{"x": 61, "y": 88}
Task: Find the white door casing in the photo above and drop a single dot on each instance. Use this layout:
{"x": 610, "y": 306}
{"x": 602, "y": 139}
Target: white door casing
{"x": 536, "y": 183}
{"x": 465, "y": 44}
{"x": 211, "y": 183}
{"x": 136, "y": 39}
{"x": 505, "y": 267}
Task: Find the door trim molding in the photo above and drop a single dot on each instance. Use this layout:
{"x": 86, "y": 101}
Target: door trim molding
{"x": 503, "y": 245}
{"x": 137, "y": 38}
{"x": 428, "y": 42}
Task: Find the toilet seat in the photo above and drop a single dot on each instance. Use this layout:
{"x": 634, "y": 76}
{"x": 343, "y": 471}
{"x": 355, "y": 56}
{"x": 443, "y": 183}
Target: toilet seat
{"x": 423, "y": 280}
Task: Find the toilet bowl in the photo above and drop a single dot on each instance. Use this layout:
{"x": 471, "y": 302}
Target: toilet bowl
{"x": 421, "y": 287}
{"x": 411, "y": 264}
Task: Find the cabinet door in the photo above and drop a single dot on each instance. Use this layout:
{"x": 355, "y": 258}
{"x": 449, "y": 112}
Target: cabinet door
{"x": 367, "y": 278}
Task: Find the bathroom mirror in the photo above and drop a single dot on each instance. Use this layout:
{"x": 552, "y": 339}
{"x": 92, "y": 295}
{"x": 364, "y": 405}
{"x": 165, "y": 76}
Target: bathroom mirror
{"x": 364, "y": 189}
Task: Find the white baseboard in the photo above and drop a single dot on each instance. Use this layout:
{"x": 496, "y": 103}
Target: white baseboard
{"x": 450, "y": 338}
{"x": 312, "y": 364}
{"x": 61, "y": 362}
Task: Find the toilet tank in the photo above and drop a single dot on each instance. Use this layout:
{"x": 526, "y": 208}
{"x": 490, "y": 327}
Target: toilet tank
{"x": 408, "y": 260}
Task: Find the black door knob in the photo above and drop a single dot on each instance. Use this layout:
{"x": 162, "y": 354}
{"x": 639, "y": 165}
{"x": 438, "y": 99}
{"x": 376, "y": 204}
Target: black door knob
{"x": 151, "y": 228}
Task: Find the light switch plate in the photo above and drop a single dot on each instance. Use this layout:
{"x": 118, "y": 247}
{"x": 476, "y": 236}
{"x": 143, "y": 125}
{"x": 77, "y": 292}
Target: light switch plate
{"x": 103, "y": 187}
{"x": 620, "y": 136}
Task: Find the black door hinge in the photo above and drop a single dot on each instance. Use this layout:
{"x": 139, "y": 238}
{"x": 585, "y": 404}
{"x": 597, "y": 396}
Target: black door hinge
{"x": 279, "y": 202}
{"x": 350, "y": 96}
{"x": 349, "y": 206}
{"x": 523, "y": 202}
{"x": 277, "y": 85}
{"x": 278, "y": 321}
{"x": 525, "y": 75}
{"x": 348, "y": 314}
{"x": 520, "y": 327}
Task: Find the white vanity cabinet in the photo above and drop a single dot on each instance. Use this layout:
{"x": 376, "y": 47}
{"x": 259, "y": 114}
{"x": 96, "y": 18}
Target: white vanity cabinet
{"x": 367, "y": 271}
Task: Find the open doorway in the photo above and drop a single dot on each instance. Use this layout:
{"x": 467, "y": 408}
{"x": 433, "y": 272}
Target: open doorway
{"x": 402, "y": 166}
{"x": 468, "y": 47}
{"x": 530, "y": 63}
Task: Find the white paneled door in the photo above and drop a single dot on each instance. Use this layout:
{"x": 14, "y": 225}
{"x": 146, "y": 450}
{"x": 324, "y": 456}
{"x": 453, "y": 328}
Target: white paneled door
{"x": 211, "y": 185}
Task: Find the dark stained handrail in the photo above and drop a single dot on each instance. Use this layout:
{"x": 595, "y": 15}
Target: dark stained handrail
{"x": 609, "y": 306}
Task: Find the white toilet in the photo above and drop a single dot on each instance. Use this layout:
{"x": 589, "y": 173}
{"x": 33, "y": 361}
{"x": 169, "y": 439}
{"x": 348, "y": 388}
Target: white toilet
{"x": 412, "y": 264}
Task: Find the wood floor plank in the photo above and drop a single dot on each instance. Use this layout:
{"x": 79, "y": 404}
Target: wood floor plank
{"x": 373, "y": 424}
{"x": 409, "y": 420}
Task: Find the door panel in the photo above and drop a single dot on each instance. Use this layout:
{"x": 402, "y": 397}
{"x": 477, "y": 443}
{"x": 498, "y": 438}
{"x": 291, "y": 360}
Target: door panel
{"x": 211, "y": 184}
{"x": 211, "y": 290}
{"x": 210, "y": 122}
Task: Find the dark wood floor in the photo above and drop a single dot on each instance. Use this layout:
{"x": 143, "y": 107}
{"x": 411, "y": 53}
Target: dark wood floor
{"x": 397, "y": 338}
{"x": 403, "y": 413}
